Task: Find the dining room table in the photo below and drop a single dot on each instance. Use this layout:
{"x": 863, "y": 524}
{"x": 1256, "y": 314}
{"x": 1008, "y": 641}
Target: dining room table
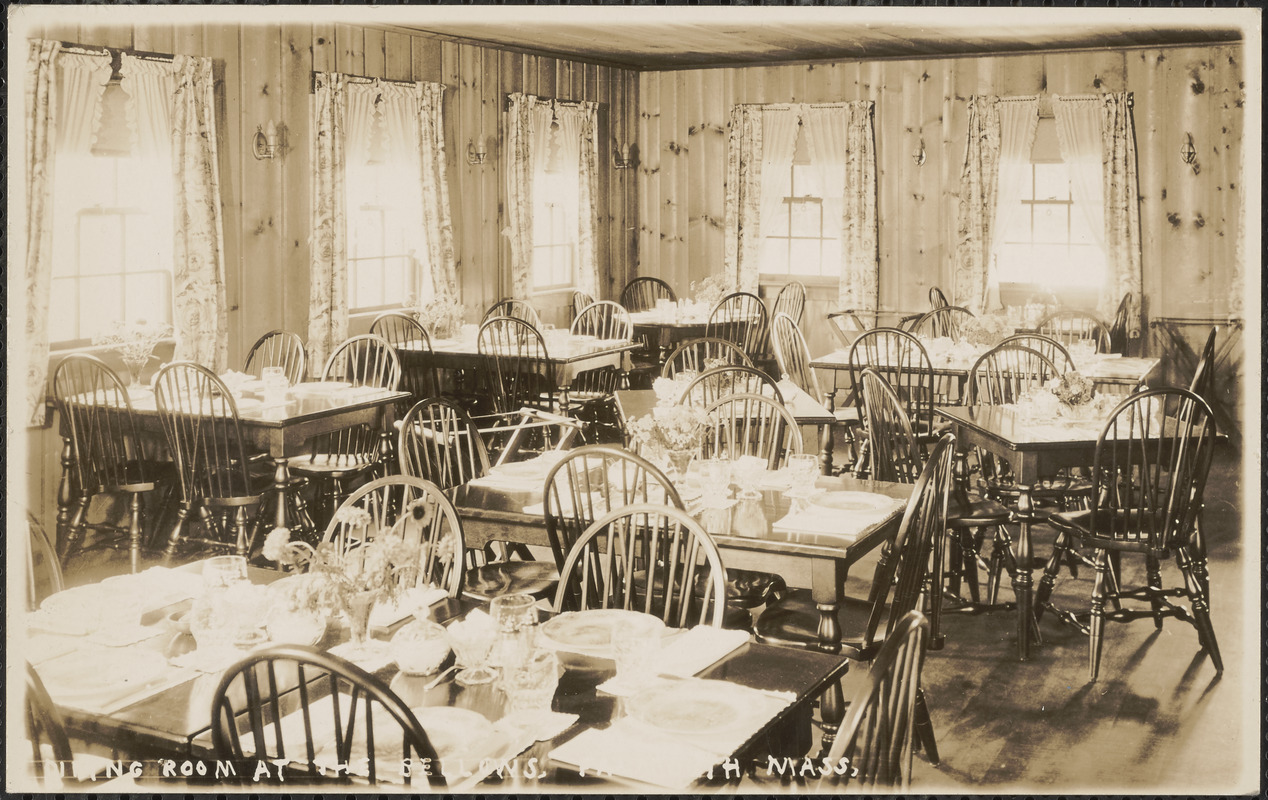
{"x": 163, "y": 720}
{"x": 569, "y": 354}
{"x": 278, "y": 425}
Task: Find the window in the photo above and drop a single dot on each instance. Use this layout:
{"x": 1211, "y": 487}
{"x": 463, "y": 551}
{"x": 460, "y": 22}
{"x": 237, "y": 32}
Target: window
{"x": 799, "y": 237}
{"x": 112, "y": 245}
{"x": 381, "y": 258}
{"x": 1046, "y": 244}
{"x": 555, "y": 229}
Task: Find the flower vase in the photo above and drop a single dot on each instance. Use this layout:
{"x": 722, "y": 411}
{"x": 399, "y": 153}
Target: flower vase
{"x": 679, "y": 460}
{"x": 134, "y": 374}
{"x": 357, "y": 610}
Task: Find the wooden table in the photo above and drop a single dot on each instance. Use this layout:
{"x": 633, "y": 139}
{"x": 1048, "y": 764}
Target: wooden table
{"x": 174, "y": 723}
{"x": 570, "y": 355}
{"x": 1032, "y": 454}
{"x": 282, "y": 431}
{"x": 666, "y": 331}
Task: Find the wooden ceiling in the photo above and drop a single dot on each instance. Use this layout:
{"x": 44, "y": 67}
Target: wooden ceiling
{"x": 678, "y": 38}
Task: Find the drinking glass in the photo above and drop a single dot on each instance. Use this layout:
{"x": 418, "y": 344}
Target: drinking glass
{"x": 715, "y": 477}
{"x": 472, "y": 645}
{"x": 634, "y": 648}
{"x": 515, "y": 620}
{"x": 804, "y": 469}
{"x": 530, "y": 685}
{"x": 220, "y": 572}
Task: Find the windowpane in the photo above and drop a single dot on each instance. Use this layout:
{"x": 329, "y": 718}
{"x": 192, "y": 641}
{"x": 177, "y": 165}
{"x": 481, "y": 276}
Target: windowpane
{"x": 779, "y": 225}
{"x": 1052, "y": 223}
{"x": 63, "y": 316}
{"x": 103, "y": 304}
{"x": 100, "y": 244}
{"x": 831, "y": 257}
{"x": 145, "y": 293}
{"x": 804, "y": 256}
{"x": 807, "y": 218}
{"x": 1052, "y": 182}
{"x": 807, "y": 181}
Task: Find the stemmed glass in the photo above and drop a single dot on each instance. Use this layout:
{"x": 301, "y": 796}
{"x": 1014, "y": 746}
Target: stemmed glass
{"x": 515, "y": 620}
{"x": 803, "y": 468}
{"x": 472, "y": 640}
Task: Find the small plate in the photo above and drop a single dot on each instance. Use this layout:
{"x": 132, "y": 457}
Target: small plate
{"x": 450, "y": 729}
{"x": 689, "y": 706}
{"x": 852, "y": 501}
{"x": 590, "y": 632}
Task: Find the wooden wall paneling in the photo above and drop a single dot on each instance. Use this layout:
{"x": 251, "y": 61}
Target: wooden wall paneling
{"x": 461, "y": 198}
{"x": 680, "y": 151}
{"x": 189, "y": 39}
{"x": 350, "y": 49}
{"x": 154, "y": 38}
{"x": 954, "y": 124}
{"x": 325, "y": 50}
{"x": 914, "y": 265}
{"x": 460, "y": 72}
{"x": 510, "y": 79}
{"x": 425, "y": 59}
{"x": 634, "y": 187}
{"x": 650, "y": 181}
{"x": 1186, "y": 257}
{"x": 671, "y": 268}
{"x": 375, "y": 54}
{"x": 543, "y": 70}
{"x": 894, "y": 98}
{"x": 1146, "y": 73}
{"x": 700, "y": 194}
{"x": 297, "y": 62}
{"x": 262, "y": 272}
{"x": 1228, "y": 95}
{"x": 397, "y": 57}
{"x": 119, "y": 36}
{"x": 223, "y": 46}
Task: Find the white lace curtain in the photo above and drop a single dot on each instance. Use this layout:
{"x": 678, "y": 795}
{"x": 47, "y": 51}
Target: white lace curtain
{"x": 352, "y": 122}
{"x": 537, "y": 130}
{"x": 760, "y": 152}
{"x": 1099, "y": 146}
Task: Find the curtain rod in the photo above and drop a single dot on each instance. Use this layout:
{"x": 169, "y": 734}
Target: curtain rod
{"x": 554, "y": 101}
{"x": 357, "y": 79}
{"x": 90, "y": 50}
{"x": 837, "y": 104}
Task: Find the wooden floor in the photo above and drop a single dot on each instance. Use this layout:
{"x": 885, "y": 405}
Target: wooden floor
{"x": 1157, "y": 721}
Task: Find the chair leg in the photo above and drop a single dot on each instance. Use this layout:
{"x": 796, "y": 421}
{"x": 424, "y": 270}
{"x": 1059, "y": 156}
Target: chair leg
{"x": 924, "y": 728}
{"x": 1001, "y": 555}
{"x": 173, "y": 538}
{"x": 1097, "y": 626}
{"x": 1153, "y": 572}
{"x": 75, "y": 529}
{"x": 933, "y": 587}
{"x": 1043, "y": 592}
{"x": 1197, "y": 603}
{"x": 969, "y": 554}
{"x": 134, "y": 531}
{"x": 240, "y": 542}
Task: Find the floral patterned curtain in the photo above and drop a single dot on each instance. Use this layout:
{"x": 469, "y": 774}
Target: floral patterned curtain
{"x": 41, "y": 137}
{"x": 328, "y": 267}
{"x": 979, "y": 184}
{"x": 1122, "y": 210}
{"x": 435, "y": 186}
{"x": 742, "y": 232}
{"x": 520, "y": 155}
{"x": 575, "y": 139}
{"x": 202, "y": 329}
{"x": 840, "y": 138}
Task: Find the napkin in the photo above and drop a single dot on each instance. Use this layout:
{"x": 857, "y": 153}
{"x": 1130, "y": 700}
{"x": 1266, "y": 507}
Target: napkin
{"x": 683, "y": 655}
{"x": 543, "y": 724}
{"x": 824, "y": 520}
{"x": 373, "y": 657}
{"x": 633, "y": 749}
{"x": 419, "y": 599}
{"x": 211, "y": 660}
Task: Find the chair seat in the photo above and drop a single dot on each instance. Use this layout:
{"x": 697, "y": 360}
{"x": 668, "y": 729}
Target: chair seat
{"x": 323, "y": 465}
{"x": 977, "y": 512}
{"x": 538, "y": 578}
{"x": 793, "y": 621}
{"x": 747, "y": 588}
{"x": 848, "y": 414}
{"x": 1079, "y": 523}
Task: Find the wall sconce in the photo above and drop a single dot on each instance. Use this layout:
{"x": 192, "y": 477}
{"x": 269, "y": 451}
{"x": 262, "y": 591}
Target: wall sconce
{"x": 1189, "y": 153}
{"x": 476, "y": 151}
{"x": 621, "y": 158}
{"x": 918, "y": 155}
{"x": 269, "y": 141}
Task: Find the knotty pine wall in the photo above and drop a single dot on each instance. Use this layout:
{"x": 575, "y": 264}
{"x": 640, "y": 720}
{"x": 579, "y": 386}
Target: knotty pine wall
{"x": 264, "y": 73}
{"x": 1189, "y": 221}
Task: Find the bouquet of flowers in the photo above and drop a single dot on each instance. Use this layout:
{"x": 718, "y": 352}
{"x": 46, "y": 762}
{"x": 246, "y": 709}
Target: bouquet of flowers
{"x": 134, "y": 342}
{"x": 669, "y": 428}
{"x": 712, "y": 289}
{"x": 441, "y": 318}
{"x": 988, "y": 330}
{"x": 1072, "y": 388}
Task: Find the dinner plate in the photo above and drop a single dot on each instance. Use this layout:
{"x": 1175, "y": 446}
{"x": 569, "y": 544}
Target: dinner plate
{"x": 689, "y": 706}
{"x": 107, "y": 670}
{"x": 591, "y": 631}
{"x": 852, "y": 501}
{"x": 452, "y": 730}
